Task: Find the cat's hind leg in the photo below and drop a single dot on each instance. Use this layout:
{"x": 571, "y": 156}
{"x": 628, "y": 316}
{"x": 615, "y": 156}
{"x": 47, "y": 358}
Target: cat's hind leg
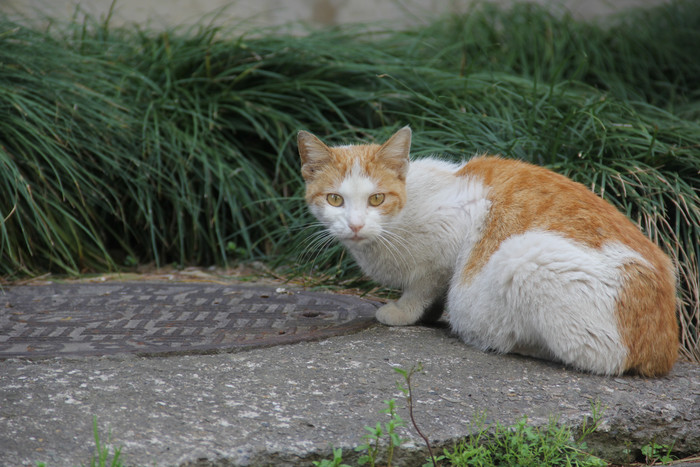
{"x": 545, "y": 295}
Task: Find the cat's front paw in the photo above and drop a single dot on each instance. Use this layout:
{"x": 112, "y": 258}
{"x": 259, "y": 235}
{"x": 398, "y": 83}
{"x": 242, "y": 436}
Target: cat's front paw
{"x": 391, "y": 315}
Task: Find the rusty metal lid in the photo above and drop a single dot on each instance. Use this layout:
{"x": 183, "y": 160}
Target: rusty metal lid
{"x": 156, "y": 318}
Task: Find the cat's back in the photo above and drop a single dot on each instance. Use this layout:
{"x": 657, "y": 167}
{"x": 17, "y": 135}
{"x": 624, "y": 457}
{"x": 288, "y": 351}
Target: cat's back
{"x": 528, "y": 197}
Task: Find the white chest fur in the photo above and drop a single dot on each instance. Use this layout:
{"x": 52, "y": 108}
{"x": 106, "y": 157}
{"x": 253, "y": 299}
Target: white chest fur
{"x": 443, "y": 216}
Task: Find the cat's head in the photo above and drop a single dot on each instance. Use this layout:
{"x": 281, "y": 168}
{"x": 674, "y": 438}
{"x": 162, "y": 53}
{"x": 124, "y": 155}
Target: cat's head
{"x": 355, "y": 190}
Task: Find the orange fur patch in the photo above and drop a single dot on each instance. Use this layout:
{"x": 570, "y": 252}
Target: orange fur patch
{"x": 527, "y": 197}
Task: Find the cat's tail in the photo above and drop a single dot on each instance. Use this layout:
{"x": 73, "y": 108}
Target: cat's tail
{"x": 646, "y": 311}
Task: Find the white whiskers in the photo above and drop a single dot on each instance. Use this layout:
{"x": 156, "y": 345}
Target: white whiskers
{"x": 389, "y": 242}
{"x": 398, "y": 247}
{"x": 317, "y": 243}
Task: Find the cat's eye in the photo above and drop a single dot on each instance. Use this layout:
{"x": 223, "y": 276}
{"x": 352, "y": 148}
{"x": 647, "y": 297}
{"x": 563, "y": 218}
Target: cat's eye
{"x": 334, "y": 200}
{"x": 376, "y": 199}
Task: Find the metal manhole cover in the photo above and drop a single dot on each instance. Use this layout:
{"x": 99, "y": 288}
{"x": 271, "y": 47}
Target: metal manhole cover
{"x": 161, "y": 318}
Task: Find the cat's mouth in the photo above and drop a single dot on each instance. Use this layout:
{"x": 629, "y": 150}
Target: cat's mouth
{"x": 357, "y": 239}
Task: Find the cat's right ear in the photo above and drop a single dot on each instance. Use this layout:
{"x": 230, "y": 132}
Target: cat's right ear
{"x": 314, "y": 154}
{"x": 395, "y": 152}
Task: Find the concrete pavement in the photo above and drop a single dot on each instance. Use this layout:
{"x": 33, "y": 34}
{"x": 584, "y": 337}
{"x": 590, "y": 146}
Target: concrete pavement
{"x": 287, "y": 404}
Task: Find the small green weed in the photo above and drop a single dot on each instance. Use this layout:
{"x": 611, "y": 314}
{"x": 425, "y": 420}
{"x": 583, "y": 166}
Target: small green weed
{"x": 657, "y": 454}
{"x": 337, "y": 460}
{"x": 375, "y": 435}
{"x": 103, "y": 451}
{"x": 408, "y": 394}
{"x": 373, "y": 441}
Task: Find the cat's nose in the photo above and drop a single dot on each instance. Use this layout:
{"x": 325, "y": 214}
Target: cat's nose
{"x": 356, "y": 228}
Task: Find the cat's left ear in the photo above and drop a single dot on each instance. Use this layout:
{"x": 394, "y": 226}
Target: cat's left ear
{"x": 395, "y": 152}
{"x": 314, "y": 154}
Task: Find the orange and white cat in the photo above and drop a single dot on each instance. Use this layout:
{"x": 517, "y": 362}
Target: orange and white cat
{"x": 522, "y": 259}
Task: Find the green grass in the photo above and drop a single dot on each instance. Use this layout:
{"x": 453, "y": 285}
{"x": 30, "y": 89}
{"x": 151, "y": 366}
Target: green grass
{"x": 521, "y": 444}
{"x": 490, "y": 445}
{"x": 131, "y": 145}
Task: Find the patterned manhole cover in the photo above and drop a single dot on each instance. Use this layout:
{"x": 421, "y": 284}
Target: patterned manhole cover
{"x": 160, "y": 318}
